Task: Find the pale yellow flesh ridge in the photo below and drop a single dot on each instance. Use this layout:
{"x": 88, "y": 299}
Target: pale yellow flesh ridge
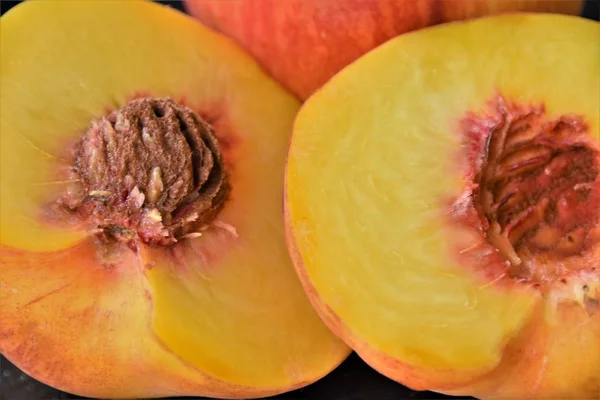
{"x": 373, "y": 153}
{"x": 240, "y": 317}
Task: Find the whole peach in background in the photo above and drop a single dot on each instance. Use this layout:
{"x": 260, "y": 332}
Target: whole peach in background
{"x": 303, "y": 43}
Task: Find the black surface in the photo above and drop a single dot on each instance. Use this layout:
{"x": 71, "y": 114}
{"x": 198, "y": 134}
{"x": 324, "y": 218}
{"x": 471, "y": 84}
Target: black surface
{"x": 353, "y": 380}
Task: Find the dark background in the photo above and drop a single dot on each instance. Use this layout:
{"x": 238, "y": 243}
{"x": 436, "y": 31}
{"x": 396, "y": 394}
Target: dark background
{"x": 353, "y": 380}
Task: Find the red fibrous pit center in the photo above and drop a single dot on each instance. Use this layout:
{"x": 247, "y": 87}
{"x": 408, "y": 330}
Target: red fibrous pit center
{"x": 150, "y": 171}
{"x": 536, "y": 189}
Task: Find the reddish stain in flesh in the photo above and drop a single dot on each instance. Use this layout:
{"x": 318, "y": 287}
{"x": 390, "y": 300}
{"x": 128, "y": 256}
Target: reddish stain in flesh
{"x": 531, "y": 205}
{"x": 200, "y": 254}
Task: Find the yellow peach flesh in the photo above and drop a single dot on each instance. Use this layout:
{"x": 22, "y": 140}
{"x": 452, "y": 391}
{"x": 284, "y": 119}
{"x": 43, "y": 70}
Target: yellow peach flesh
{"x": 372, "y": 161}
{"x": 163, "y": 321}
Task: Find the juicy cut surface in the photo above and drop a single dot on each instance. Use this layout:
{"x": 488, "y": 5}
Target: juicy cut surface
{"x": 395, "y": 207}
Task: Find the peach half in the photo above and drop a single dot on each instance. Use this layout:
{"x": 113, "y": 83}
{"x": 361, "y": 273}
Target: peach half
{"x": 303, "y": 43}
{"x": 442, "y": 207}
{"x": 142, "y": 242}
